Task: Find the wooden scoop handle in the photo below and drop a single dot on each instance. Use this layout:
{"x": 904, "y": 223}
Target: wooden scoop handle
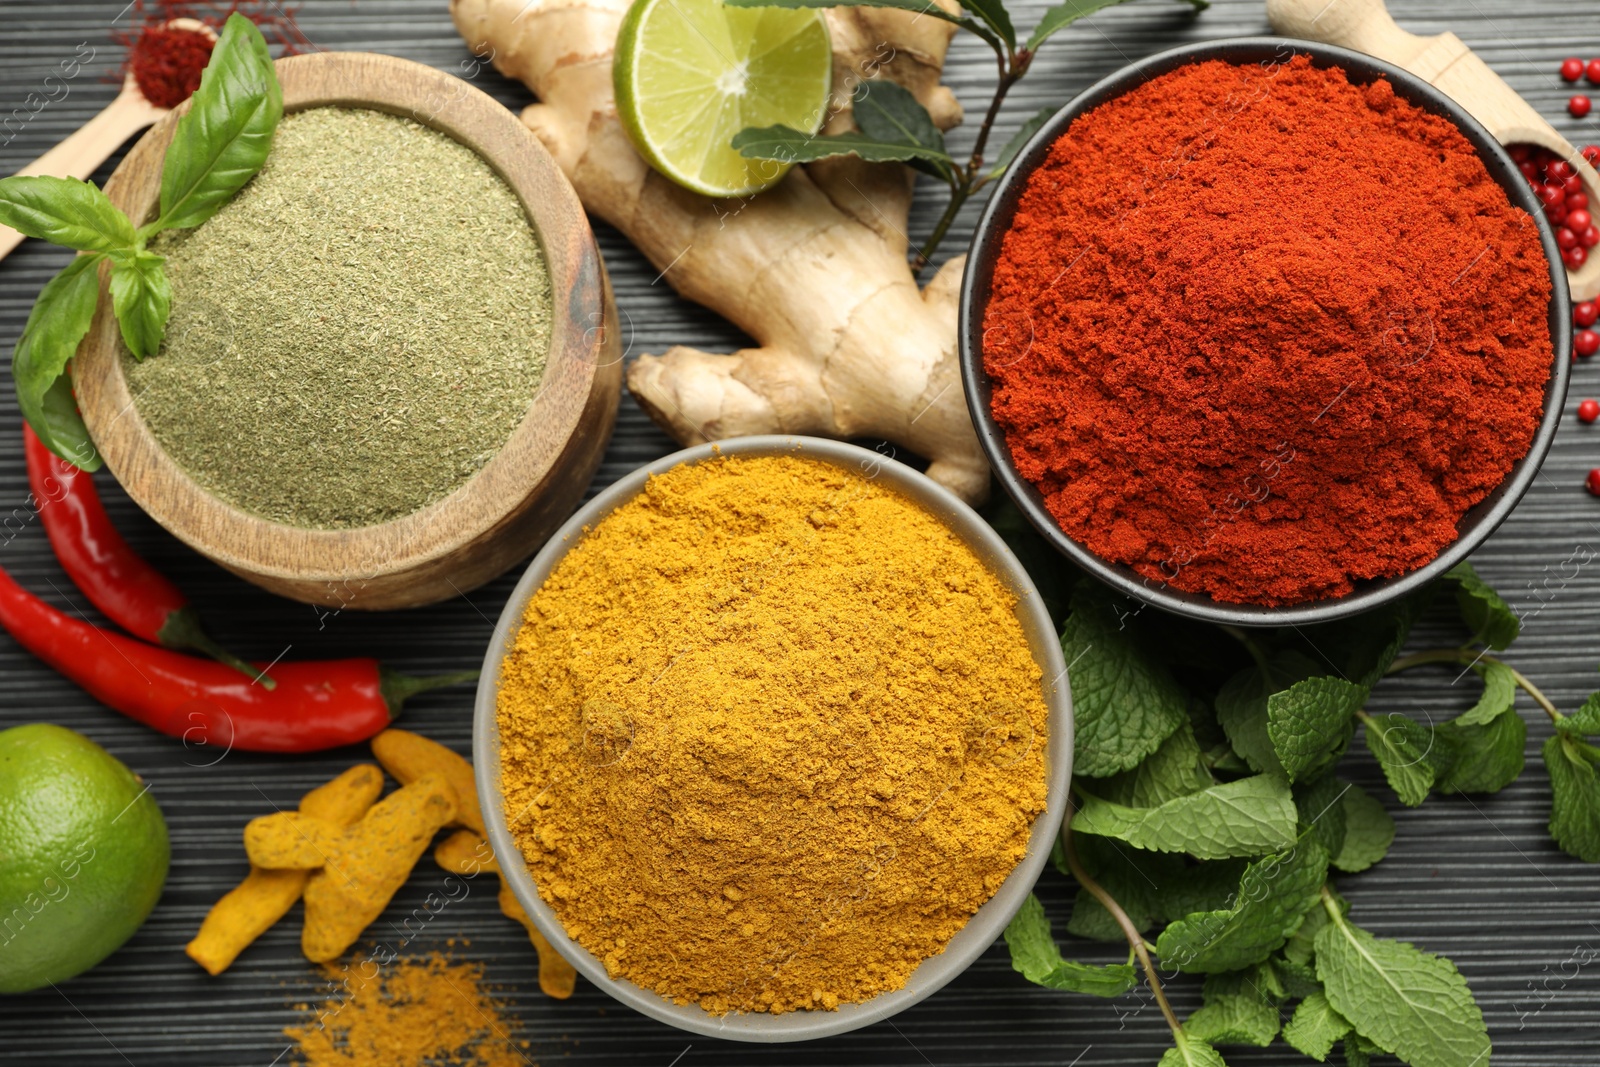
{"x": 1449, "y": 66}
{"x": 81, "y": 154}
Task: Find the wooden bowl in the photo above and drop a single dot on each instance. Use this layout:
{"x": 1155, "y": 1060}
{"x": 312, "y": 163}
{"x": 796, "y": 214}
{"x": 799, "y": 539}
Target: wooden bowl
{"x": 503, "y": 512}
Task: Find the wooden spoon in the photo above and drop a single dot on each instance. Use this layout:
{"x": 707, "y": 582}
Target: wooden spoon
{"x": 81, "y": 154}
{"x": 1446, "y": 63}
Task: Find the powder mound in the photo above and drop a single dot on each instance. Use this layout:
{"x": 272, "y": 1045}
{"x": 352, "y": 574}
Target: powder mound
{"x": 1262, "y": 334}
{"x": 771, "y": 734}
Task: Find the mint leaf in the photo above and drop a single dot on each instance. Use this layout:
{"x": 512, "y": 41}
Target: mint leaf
{"x": 64, "y": 211}
{"x": 1488, "y": 616}
{"x": 1191, "y": 1052}
{"x": 1585, "y": 722}
{"x": 1242, "y": 706}
{"x": 1063, "y": 15}
{"x": 1274, "y": 893}
{"x": 1358, "y": 1051}
{"x": 1035, "y": 955}
{"x": 142, "y": 299}
{"x": 1406, "y": 750}
{"x": 1311, "y": 722}
{"x": 60, "y": 319}
{"x": 1134, "y": 877}
{"x": 1019, "y": 140}
{"x": 224, "y": 138}
{"x": 1243, "y": 818}
{"x": 1175, "y": 769}
{"x": 1499, "y": 693}
{"x": 1411, "y": 1003}
{"x": 1315, "y": 1027}
{"x": 1297, "y": 979}
{"x": 1321, "y": 808}
{"x": 1208, "y": 886}
{"x": 1360, "y": 648}
{"x": 1480, "y": 758}
{"x": 1124, "y": 701}
{"x": 1234, "y": 1019}
{"x": 1574, "y": 796}
{"x": 1368, "y": 831}
{"x": 1260, "y": 982}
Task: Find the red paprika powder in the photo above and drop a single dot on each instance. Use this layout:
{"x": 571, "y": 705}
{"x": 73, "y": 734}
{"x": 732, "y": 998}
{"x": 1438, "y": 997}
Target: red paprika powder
{"x": 1261, "y": 333}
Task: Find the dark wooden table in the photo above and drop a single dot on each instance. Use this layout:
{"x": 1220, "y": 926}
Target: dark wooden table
{"x": 1474, "y": 878}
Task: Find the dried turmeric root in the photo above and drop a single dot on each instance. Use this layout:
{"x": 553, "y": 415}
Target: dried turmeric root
{"x": 465, "y": 853}
{"x": 265, "y": 896}
{"x": 408, "y": 756}
{"x": 814, "y": 269}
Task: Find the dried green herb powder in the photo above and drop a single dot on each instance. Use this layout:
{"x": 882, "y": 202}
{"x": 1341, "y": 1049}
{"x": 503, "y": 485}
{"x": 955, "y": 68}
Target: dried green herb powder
{"x": 356, "y": 333}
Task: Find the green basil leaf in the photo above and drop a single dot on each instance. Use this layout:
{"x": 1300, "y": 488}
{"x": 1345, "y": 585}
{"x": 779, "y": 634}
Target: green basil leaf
{"x": 1035, "y": 955}
{"x": 224, "y": 138}
{"x": 60, "y": 319}
{"x": 1063, "y": 15}
{"x": 64, "y": 211}
{"x": 1488, "y": 616}
{"x": 142, "y": 299}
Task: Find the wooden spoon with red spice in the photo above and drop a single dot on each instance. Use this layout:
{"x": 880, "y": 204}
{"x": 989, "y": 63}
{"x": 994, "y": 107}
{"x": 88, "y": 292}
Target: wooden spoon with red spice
{"x": 169, "y": 57}
{"x": 1446, "y": 63}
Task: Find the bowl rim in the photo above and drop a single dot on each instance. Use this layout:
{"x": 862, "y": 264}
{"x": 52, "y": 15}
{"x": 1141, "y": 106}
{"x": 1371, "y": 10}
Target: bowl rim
{"x": 1476, "y": 524}
{"x": 985, "y": 925}
{"x": 578, "y": 352}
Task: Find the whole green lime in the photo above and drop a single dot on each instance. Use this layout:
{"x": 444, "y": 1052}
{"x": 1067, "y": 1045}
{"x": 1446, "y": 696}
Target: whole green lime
{"x": 83, "y": 855}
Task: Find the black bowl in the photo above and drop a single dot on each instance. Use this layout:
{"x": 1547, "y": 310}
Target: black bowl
{"x": 1476, "y": 525}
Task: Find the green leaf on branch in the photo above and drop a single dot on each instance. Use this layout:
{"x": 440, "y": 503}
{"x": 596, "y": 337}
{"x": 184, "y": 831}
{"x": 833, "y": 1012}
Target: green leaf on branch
{"x": 1310, "y": 723}
{"x": 1499, "y": 693}
{"x": 994, "y": 15}
{"x": 1574, "y": 796}
{"x": 1488, "y": 616}
{"x": 1368, "y": 831}
{"x": 1316, "y": 1027}
{"x": 1191, "y": 1052}
{"x": 142, "y": 300}
{"x": 224, "y": 138}
{"x": 1063, "y": 15}
{"x": 65, "y": 211}
{"x": 1173, "y": 770}
{"x": 1274, "y": 894}
{"x": 1035, "y": 955}
{"x": 1124, "y": 699}
{"x": 1406, "y": 750}
{"x": 1411, "y": 1003}
{"x": 1585, "y": 722}
{"x": 59, "y": 321}
{"x": 1479, "y": 758}
{"x": 1015, "y": 145}
{"x": 1242, "y": 706}
{"x": 894, "y": 127}
{"x": 1245, "y": 818}
{"x": 1234, "y": 1019}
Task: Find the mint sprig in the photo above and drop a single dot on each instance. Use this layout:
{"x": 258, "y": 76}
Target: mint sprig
{"x": 219, "y": 145}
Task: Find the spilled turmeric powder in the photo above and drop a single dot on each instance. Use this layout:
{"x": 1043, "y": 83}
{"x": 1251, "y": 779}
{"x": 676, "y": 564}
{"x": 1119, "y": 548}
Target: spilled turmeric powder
{"x": 770, "y": 735}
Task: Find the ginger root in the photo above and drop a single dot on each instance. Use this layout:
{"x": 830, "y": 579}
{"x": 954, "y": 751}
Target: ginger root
{"x": 814, "y": 269}
{"x": 265, "y": 896}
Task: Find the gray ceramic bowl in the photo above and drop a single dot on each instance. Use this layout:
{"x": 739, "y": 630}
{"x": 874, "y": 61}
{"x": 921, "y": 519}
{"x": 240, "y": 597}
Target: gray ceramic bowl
{"x": 1476, "y": 525}
{"x": 989, "y": 921}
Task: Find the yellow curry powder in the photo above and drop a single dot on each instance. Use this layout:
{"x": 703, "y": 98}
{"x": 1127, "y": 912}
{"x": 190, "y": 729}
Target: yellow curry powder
{"x": 410, "y": 1012}
{"x": 771, "y": 734}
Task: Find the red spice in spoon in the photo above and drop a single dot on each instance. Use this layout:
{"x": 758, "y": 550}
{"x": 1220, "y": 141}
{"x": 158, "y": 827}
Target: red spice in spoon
{"x": 167, "y": 60}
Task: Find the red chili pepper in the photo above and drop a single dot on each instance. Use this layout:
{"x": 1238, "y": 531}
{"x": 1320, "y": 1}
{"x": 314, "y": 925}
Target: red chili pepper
{"x": 317, "y": 705}
{"x": 129, "y": 591}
